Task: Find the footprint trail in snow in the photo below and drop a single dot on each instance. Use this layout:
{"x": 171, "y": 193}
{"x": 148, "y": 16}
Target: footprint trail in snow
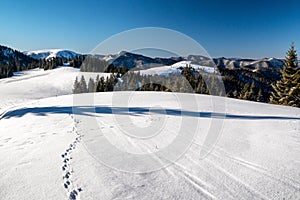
{"x": 71, "y": 187}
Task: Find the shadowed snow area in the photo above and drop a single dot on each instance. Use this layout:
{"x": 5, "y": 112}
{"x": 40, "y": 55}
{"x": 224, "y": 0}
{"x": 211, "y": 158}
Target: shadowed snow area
{"x": 90, "y": 111}
{"x": 47, "y": 152}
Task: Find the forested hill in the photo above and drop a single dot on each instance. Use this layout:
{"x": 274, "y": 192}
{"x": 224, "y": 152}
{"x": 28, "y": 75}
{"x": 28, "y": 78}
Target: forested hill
{"x": 12, "y": 60}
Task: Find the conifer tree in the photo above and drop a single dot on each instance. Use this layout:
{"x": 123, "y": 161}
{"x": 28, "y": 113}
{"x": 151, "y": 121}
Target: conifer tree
{"x": 91, "y": 85}
{"x": 83, "y": 86}
{"x": 106, "y": 84}
{"x": 245, "y": 93}
{"x": 100, "y": 85}
{"x": 185, "y": 86}
{"x": 260, "y": 96}
{"x": 96, "y": 82}
{"x": 286, "y": 90}
{"x": 251, "y": 95}
{"x": 76, "y": 87}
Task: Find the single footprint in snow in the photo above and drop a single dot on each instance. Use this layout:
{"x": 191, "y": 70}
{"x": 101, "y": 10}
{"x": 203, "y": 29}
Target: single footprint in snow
{"x": 66, "y": 186}
{"x": 73, "y": 195}
{"x": 67, "y": 175}
{"x": 64, "y": 167}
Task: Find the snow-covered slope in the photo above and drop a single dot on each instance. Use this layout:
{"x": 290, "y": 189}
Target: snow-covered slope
{"x": 35, "y": 84}
{"x": 207, "y": 65}
{"x": 47, "y": 152}
{"x": 51, "y": 53}
{"x": 177, "y": 67}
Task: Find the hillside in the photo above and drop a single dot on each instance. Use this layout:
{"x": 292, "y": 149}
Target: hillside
{"x": 12, "y": 61}
{"x": 35, "y": 84}
{"x": 61, "y": 148}
{"x": 51, "y": 53}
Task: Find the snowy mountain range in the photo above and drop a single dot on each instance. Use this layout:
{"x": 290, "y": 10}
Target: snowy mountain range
{"x": 263, "y": 72}
{"x": 51, "y": 53}
{"x": 132, "y": 60}
{"x": 245, "y": 70}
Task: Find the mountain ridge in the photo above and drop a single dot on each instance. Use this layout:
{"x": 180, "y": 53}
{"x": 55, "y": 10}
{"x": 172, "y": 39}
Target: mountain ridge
{"x": 133, "y": 60}
{"x": 51, "y": 53}
{"x": 40, "y": 58}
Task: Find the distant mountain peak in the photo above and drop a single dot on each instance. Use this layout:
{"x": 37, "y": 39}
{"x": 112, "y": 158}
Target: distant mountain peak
{"x": 51, "y": 53}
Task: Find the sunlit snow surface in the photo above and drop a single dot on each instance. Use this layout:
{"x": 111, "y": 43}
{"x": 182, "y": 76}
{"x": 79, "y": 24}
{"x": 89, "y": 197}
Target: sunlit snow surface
{"x": 43, "y": 145}
{"x": 176, "y": 68}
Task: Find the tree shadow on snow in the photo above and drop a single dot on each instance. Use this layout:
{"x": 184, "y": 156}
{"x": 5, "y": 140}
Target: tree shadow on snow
{"x": 93, "y": 111}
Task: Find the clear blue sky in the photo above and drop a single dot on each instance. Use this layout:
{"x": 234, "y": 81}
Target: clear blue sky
{"x": 241, "y": 28}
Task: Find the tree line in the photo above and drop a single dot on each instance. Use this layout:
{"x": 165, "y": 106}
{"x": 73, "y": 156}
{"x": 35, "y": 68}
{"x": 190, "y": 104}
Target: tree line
{"x": 185, "y": 82}
{"x": 238, "y": 83}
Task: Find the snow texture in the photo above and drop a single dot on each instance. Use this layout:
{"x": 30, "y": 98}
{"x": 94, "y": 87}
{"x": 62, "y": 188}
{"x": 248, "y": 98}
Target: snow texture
{"x": 45, "y": 149}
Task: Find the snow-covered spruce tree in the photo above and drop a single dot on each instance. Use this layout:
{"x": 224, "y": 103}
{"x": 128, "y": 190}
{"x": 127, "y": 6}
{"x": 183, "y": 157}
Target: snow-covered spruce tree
{"x": 83, "y": 85}
{"x": 286, "y": 90}
{"x": 76, "y": 86}
{"x": 91, "y": 85}
{"x": 294, "y": 94}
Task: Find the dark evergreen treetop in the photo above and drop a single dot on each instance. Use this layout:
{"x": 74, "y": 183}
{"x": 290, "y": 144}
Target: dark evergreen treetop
{"x": 286, "y": 90}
